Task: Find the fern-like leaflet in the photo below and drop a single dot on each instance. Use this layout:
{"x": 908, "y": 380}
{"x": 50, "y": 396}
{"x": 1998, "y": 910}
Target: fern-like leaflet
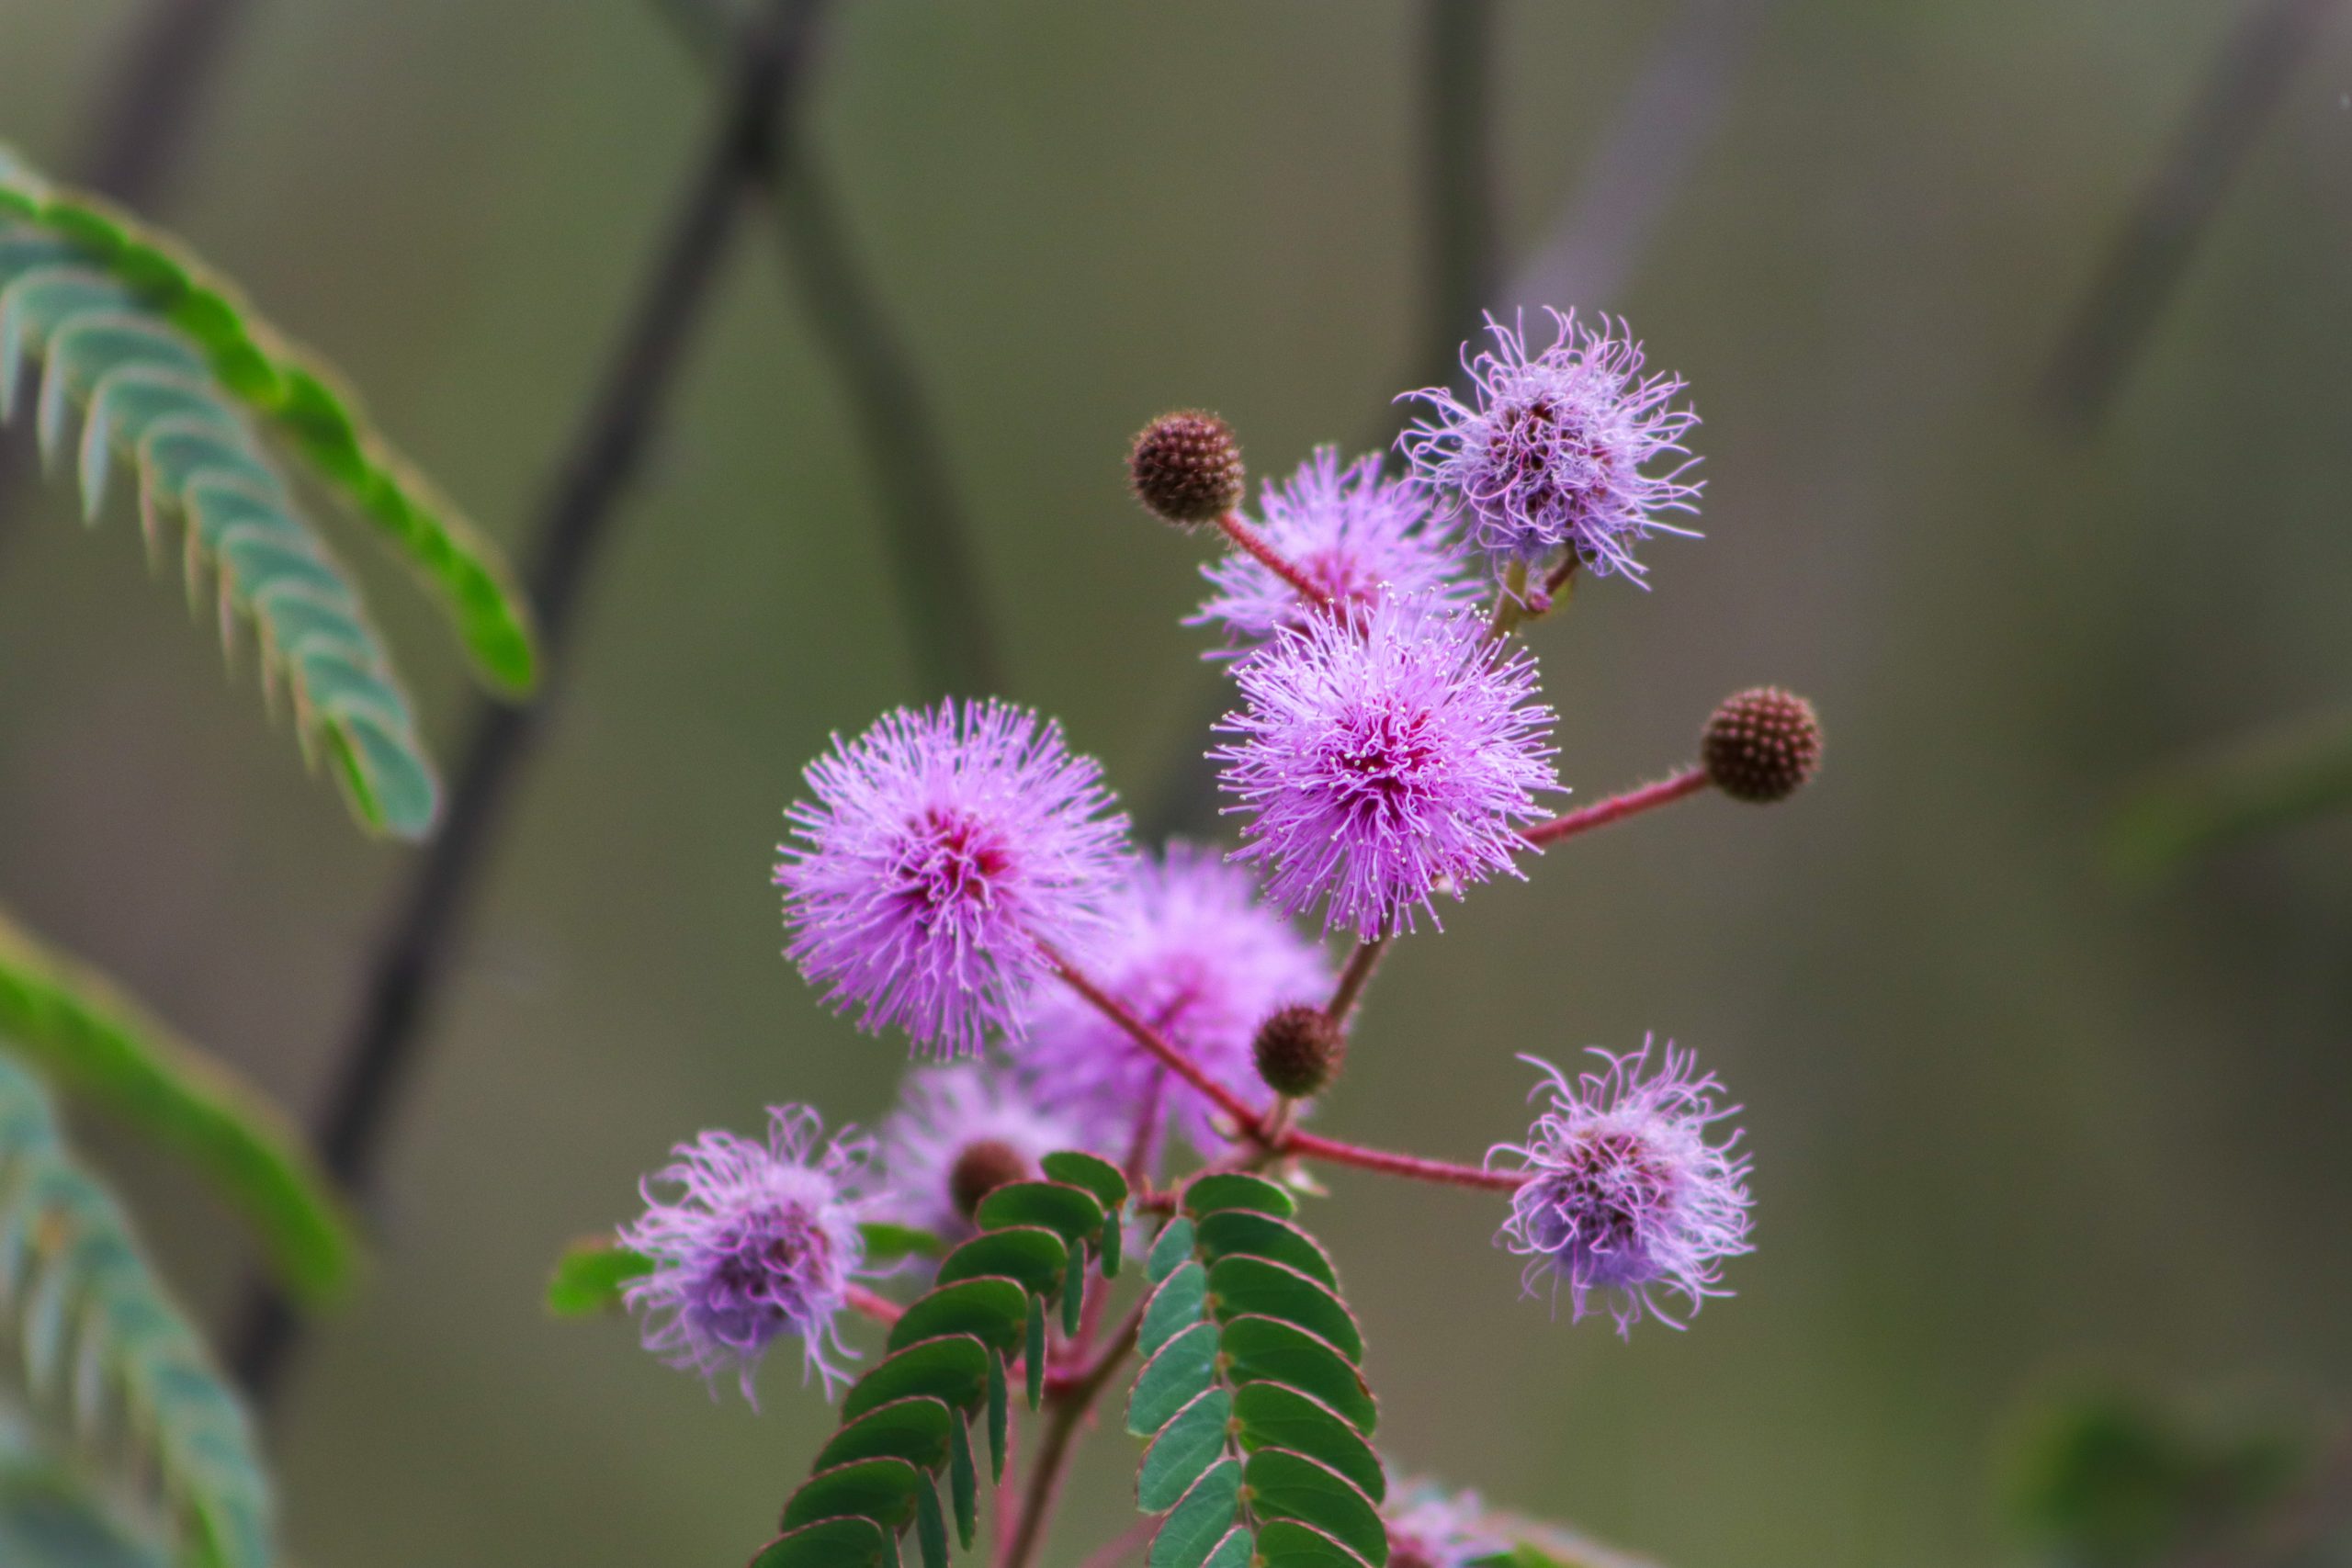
{"x": 98, "y": 1334}
{"x": 301, "y": 398}
{"x": 906, "y": 1425}
{"x": 1259, "y": 1420}
{"x": 147, "y": 395}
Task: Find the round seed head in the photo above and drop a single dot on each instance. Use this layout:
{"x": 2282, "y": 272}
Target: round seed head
{"x": 1186, "y": 467}
{"x": 1299, "y": 1051}
{"x": 1762, "y": 745}
{"x": 982, "y": 1167}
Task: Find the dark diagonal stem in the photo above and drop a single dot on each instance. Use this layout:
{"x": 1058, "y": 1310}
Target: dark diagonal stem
{"x": 927, "y": 528}
{"x": 2145, "y": 262}
{"x": 413, "y": 962}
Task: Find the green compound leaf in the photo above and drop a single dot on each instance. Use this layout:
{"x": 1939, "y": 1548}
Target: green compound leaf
{"x": 952, "y": 1369}
{"x": 1197, "y": 1525}
{"x": 913, "y": 1429}
{"x": 1175, "y": 1306}
{"x": 150, "y": 399}
{"x": 907, "y": 1424}
{"x": 882, "y": 1490}
{"x": 1286, "y": 1543}
{"x": 1072, "y": 1212}
{"x": 53, "y": 1518}
{"x": 112, "y": 256}
{"x": 1172, "y": 1379}
{"x": 1171, "y": 1251}
{"x": 994, "y": 1312}
{"x": 1192, "y": 1439}
{"x": 1235, "y": 1189}
{"x": 1096, "y": 1175}
{"x": 95, "y": 1042}
{"x": 1272, "y": 1289}
{"x": 590, "y": 1275}
{"x": 835, "y": 1543}
{"x": 1262, "y": 1349}
{"x": 1253, "y": 1363}
{"x": 74, "y": 1292}
{"x": 1262, "y": 1236}
{"x": 1035, "y": 1258}
{"x": 1284, "y": 1485}
{"x": 1275, "y": 1415}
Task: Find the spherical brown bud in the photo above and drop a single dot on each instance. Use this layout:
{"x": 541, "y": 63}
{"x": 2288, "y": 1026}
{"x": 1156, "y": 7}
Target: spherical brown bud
{"x": 985, "y": 1165}
{"x": 1299, "y": 1051}
{"x": 1762, "y": 745}
{"x": 1186, "y": 466}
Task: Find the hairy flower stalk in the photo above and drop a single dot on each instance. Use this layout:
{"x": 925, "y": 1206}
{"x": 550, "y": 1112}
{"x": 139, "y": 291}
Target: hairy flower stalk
{"x": 1622, "y": 1192}
{"x": 759, "y": 1241}
{"x": 941, "y": 848}
{"x": 1384, "y": 759}
{"x": 1555, "y": 450}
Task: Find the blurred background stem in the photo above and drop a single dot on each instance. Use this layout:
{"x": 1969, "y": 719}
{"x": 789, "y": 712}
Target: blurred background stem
{"x": 409, "y": 965}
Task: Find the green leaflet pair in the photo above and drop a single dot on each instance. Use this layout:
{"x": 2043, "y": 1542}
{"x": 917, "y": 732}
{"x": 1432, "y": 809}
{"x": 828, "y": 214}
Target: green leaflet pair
{"x": 1249, "y": 1389}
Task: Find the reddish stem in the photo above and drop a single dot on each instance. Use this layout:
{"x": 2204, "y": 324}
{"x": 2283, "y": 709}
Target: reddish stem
{"x": 881, "y": 1309}
{"x": 1247, "y": 538}
{"x": 1443, "y": 1172}
{"x": 1152, "y": 1040}
{"x": 1601, "y": 813}
{"x": 1361, "y": 965}
{"x": 1253, "y": 1127}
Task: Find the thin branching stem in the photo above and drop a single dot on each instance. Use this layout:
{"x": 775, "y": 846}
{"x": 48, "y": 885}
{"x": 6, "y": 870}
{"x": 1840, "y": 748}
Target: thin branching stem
{"x": 926, "y": 526}
{"x": 1617, "y": 807}
{"x": 1362, "y": 963}
{"x": 1068, "y": 1401}
{"x": 1272, "y": 1141}
{"x": 2144, "y": 261}
{"x": 1236, "y": 527}
{"x": 409, "y": 966}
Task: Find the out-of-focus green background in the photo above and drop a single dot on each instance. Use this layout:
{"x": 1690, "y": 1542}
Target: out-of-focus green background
{"x": 2013, "y": 1118}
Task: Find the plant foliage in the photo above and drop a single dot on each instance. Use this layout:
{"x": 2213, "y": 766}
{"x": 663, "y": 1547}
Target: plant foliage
{"x": 949, "y": 1362}
{"x": 303, "y": 400}
{"x": 101, "y": 1337}
{"x": 89, "y": 1037}
{"x": 1251, "y": 1395}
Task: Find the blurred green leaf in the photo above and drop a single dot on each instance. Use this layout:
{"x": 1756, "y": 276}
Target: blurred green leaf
{"x": 2108, "y": 1479}
{"x": 2261, "y": 788}
{"x": 589, "y": 1276}
{"x": 97, "y": 1331}
{"x": 95, "y": 1042}
{"x": 887, "y": 1243}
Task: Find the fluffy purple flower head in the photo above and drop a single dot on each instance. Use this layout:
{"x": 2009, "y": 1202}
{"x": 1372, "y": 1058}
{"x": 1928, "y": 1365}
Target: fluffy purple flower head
{"x": 1356, "y": 535}
{"x": 1552, "y": 449}
{"x": 958, "y": 1131}
{"x": 1431, "y": 1528}
{"x": 1624, "y": 1193}
{"x": 1383, "y": 757}
{"x": 943, "y": 847}
{"x": 1196, "y": 953}
{"x": 757, "y": 1241}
